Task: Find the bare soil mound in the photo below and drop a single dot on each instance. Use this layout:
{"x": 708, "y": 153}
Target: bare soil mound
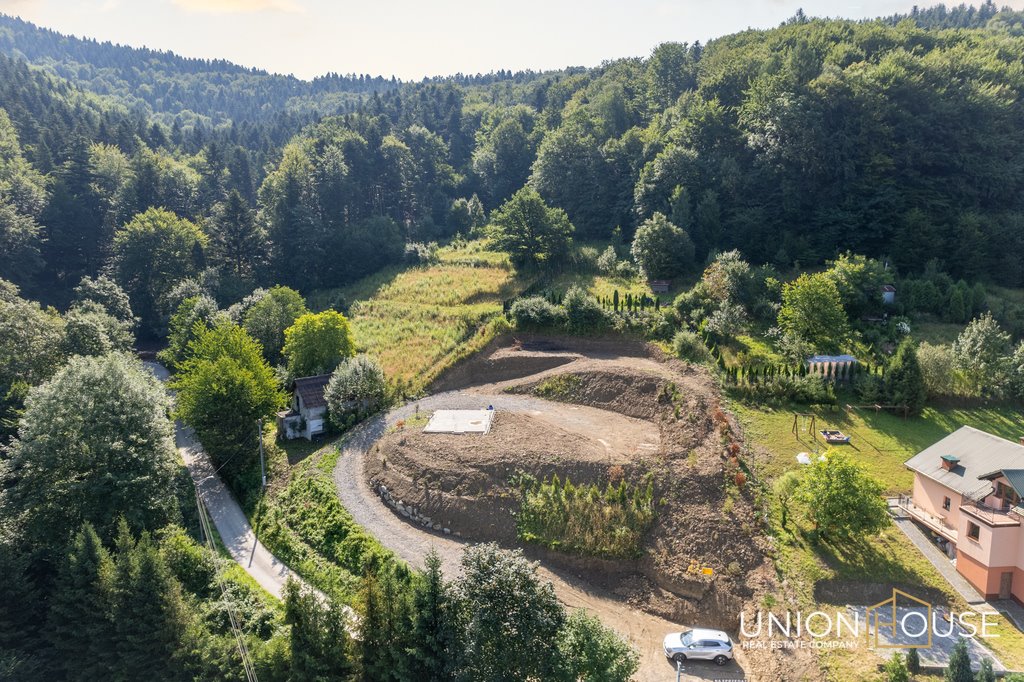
{"x": 463, "y": 482}
{"x": 706, "y": 557}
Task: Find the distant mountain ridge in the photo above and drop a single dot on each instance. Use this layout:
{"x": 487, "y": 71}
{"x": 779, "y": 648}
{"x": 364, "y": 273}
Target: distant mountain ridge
{"x": 170, "y": 84}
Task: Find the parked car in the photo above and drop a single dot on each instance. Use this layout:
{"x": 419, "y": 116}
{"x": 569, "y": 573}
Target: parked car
{"x": 699, "y": 644}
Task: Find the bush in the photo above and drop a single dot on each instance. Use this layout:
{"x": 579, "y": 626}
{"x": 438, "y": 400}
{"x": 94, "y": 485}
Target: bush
{"x": 655, "y": 325}
{"x": 585, "y": 520}
{"x": 583, "y": 312}
{"x": 356, "y": 390}
{"x": 536, "y": 312}
{"x": 608, "y": 261}
{"x": 808, "y": 390}
{"x": 418, "y": 253}
{"x": 688, "y": 345}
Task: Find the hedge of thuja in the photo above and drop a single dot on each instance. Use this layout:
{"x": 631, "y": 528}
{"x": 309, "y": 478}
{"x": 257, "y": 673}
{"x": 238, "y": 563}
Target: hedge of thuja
{"x": 585, "y": 519}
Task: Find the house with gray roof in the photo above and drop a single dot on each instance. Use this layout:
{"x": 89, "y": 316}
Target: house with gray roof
{"x": 968, "y": 491}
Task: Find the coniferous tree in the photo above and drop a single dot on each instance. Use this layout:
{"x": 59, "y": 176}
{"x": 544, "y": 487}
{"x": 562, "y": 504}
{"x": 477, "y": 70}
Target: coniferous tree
{"x": 149, "y": 616}
{"x": 434, "y": 648}
{"x": 319, "y": 639}
{"x": 80, "y": 628}
{"x": 959, "y": 667}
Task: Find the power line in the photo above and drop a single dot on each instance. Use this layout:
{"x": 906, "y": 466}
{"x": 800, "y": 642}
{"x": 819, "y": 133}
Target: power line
{"x": 236, "y": 628}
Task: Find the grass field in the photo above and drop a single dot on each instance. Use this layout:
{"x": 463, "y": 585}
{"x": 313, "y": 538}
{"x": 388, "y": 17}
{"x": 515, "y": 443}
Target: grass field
{"x": 420, "y": 320}
{"x": 881, "y": 442}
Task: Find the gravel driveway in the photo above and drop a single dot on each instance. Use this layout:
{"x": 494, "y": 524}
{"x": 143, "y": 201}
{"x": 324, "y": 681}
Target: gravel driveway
{"x": 412, "y": 542}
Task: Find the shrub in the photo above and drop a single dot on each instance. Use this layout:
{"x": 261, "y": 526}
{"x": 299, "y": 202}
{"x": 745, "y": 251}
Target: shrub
{"x": 688, "y": 345}
{"x": 809, "y": 390}
{"x": 655, "y": 325}
{"x": 585, "y": 520}
{"x": 608, "y": 261}
{"x": 536, "y": 312}
{"x": 357, "y": 389}
{"x": 418, "y": 253}
{"x": 583, "y": 312}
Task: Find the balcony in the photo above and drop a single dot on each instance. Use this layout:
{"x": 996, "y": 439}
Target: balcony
{"x": 927, "y": 519}
{"x": 990, "y": 515}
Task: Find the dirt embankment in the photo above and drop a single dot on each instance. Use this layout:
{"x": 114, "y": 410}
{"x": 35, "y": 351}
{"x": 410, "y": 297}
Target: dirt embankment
{"x": 706, "y": 558}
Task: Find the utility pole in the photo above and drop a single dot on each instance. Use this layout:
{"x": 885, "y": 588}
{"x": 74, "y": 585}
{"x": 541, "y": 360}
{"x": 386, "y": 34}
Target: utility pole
{"x": 259, "y": 437}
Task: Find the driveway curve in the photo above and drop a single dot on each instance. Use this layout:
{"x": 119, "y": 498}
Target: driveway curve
{"x": 412, "y": 543}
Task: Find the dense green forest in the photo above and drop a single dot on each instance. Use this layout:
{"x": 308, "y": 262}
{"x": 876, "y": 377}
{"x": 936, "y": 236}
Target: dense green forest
{"x": 898, "y": 138}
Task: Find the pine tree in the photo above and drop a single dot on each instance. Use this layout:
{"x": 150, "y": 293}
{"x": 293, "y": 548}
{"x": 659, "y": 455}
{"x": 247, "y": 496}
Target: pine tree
{"x": 149, "y": 614}
{"x": 319, "y": 640}
{"x": 904, "y": 380}
{"x": 434, "y": 646}
{"x": 384, "y": 628}
{"x": 913, "y": 661}
{"x": 959, "y": 668}
{"x": 80, "y": 627}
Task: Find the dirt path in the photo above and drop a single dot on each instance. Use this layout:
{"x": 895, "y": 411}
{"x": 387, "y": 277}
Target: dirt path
{"x": 233, "y": 527}
{"x": 412, "y": 543}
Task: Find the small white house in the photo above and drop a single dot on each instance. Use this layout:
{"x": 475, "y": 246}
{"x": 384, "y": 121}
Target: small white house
{"x": 888, "y": 294}
{"x": 308, "y": 414}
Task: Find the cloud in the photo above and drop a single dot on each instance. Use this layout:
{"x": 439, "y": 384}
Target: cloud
{"x": 238, "y": 6}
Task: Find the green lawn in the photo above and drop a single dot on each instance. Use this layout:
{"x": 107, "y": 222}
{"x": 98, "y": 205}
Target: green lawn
{"x": 881, "y": 441}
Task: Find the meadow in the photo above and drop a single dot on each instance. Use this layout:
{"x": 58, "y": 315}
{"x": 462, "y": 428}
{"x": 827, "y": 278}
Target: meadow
{"x": 418, "y": 321}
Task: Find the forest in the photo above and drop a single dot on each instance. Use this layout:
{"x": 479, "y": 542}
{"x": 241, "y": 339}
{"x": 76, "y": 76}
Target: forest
{"x": 895, "y": 138}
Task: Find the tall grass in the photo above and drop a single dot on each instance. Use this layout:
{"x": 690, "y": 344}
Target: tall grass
{"x": 419, "y": 321}
{"x": 585, "y": 519}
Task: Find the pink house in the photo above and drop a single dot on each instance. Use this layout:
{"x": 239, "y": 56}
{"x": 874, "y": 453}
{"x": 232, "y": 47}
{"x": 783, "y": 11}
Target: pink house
{"x": 967, "y": 492}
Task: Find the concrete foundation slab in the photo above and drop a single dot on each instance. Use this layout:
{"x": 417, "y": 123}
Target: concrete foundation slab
{"x": 460, "y": 421}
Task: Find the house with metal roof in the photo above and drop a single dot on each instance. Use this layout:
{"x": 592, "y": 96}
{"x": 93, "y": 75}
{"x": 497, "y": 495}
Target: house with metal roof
{"x": 968, "y": 491}
{"x": 308, "y": 414}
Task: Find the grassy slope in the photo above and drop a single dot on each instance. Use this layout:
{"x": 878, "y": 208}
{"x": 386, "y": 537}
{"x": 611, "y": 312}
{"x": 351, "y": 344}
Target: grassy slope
{"x": 419, "y": 321}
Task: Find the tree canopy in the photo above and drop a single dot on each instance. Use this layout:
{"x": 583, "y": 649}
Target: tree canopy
{"x": 93, "y": 445}
{"x": 317, "y": 343}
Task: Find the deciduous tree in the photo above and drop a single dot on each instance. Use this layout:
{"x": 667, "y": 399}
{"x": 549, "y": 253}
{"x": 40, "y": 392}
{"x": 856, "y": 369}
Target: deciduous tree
{"x": 317, "y": 343}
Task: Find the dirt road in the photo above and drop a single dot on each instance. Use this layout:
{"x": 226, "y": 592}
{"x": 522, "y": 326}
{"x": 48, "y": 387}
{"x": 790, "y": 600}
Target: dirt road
{"x": 232, "y": 525}
{"x": 412, "y": 543}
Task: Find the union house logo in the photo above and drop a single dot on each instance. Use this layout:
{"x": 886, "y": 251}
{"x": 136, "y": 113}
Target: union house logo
{"x": 900, "y": 622}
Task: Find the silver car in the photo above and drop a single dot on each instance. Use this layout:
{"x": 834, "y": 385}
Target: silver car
{"x": 699, "y": 644}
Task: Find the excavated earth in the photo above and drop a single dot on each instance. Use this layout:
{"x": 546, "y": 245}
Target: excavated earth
{"x": 610, "y": 408}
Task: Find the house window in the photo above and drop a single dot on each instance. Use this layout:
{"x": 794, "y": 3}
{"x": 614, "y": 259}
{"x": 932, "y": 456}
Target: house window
{"x": 973, "y": 531}
{"x": 946, "y": 502}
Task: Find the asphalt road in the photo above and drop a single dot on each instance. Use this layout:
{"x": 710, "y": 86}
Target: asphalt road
{"x": 233, "y": 527}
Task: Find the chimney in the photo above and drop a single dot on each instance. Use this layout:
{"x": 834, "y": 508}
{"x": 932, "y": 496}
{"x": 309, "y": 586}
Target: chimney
{"x": 949, "y": 462}
{"x": 1021, "y": 440}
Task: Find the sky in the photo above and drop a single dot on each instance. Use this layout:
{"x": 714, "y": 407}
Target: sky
{"x": 411, "y": 39}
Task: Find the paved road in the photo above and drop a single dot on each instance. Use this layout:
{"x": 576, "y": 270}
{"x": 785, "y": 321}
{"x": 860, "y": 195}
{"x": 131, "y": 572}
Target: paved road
{"x": 411, "y": 542}
{"x": 233, "y": 527}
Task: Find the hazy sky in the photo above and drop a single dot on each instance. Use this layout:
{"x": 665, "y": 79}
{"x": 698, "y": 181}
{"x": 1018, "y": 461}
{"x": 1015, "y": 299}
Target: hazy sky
{"x": 414, "y": 38}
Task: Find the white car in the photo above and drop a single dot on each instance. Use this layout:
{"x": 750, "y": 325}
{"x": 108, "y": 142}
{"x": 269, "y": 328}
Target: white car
{"x": 699, "y": 644}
